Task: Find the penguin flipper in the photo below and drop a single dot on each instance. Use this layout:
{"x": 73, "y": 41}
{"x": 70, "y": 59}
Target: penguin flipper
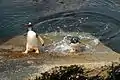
{"x": 40, "y": 39}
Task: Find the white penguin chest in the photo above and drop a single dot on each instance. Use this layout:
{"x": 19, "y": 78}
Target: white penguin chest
{"x": 31, "y": 38}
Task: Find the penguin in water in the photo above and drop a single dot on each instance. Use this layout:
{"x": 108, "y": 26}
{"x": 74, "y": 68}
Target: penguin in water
{"x": 75, "y": 44}
{"x": 72, "y": 39}
{"x": 32, "y": 40}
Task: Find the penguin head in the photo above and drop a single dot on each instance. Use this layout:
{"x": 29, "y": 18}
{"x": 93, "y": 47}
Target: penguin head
{"x": 75, "y": 40}
{"x": 29, "y": 23}
{"x": 72, "y": 39}
{"x": 29, "y": 26}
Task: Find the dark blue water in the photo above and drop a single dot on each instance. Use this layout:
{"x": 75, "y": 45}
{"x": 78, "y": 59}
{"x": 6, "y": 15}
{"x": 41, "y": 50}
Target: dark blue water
{"x": 101, "y": 18}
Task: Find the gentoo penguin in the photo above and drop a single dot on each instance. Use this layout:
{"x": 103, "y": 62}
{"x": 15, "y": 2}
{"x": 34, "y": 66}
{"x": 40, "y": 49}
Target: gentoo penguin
{"x": 72, "y": 39}
{"x": 75, "y": 44}
{"x": 32, "y": 40}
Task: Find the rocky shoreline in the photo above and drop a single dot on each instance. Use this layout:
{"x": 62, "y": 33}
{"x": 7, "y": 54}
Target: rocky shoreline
{"x": 80, "y": 72}
{"x": 15, "y": 65}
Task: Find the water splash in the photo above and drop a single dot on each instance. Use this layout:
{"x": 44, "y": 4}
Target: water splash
{"x": 64, "y": 46}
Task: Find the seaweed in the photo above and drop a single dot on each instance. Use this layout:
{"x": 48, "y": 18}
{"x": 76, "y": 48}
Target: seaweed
{"x": 76, "y": 72}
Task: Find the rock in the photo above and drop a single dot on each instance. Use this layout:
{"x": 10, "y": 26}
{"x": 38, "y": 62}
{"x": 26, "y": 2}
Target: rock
{"x": 6, "y": 47}
{"x": 18, "y": 49}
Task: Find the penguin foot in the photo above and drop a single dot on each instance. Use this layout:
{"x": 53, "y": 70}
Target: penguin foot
{"x": 25, "y": 52}
{"x": 37, "y": 51}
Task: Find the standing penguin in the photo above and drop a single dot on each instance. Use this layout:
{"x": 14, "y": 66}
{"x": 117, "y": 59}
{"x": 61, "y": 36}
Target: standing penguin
{"x": 32, "y": 40}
